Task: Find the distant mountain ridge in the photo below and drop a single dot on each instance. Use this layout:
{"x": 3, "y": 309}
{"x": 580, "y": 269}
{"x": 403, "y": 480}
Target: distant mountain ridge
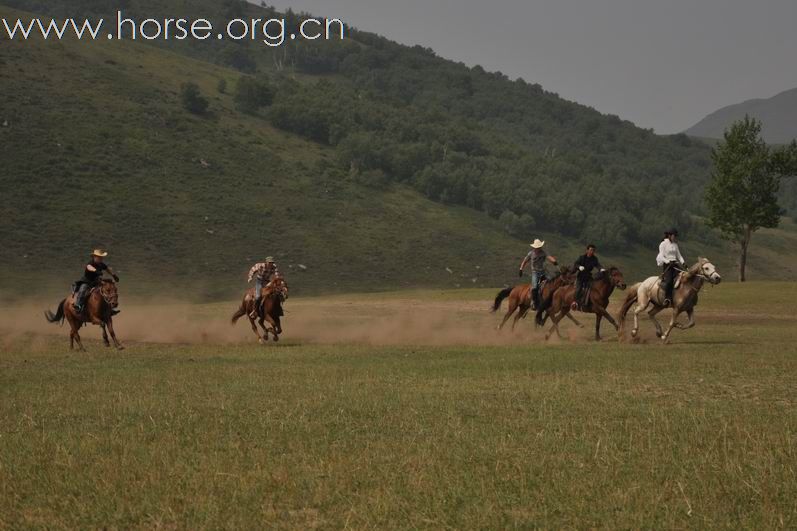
{"x": 778, "y": 115}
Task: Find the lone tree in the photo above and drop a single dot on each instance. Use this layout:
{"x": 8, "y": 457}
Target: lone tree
{"x": 742, "y": 195}
{"x": 192, "y": 99}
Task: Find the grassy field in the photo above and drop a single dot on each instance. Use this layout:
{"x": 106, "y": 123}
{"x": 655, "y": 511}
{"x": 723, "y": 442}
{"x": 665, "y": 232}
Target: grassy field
{"x": 405, "y": 426}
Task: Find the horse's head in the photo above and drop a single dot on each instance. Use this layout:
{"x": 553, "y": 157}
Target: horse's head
{"x": 280, "y": 287}
{"x": 109, "y": 292}
{"x": 707, "y": 270}
{"x": 615, "y": 276}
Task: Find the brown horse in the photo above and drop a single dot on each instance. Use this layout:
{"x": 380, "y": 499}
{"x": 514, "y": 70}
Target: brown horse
{"x": 599, "y": 293}
{"x": 101, "y": 301}
{"x": 269, "y": 309}
{"x": 519, "y": 298}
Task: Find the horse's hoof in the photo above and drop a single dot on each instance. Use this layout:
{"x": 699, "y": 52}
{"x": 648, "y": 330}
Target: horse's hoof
{"x": 276, "y": 338}
{"x": 120, "y": 347}
{"x": 261, "y": 341}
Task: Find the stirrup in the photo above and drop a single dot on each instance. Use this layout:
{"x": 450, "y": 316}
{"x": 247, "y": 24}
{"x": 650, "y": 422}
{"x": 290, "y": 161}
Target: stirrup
{"x": 573, "y": 306}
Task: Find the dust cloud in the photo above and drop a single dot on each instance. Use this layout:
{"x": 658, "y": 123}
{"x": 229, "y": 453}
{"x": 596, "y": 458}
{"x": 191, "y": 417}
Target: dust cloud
{"x": 336, "y": 320}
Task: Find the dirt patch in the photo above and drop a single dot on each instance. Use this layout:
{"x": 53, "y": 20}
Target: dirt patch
{"x": 395, "y": 321}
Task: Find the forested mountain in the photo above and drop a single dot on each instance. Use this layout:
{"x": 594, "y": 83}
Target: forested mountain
{"x": 777, "y": 114}
{"x": 459, "y": 135}
{"x": 361, "y": 164}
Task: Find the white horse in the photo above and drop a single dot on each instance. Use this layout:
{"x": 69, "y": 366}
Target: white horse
{"x": 648, "y": 293}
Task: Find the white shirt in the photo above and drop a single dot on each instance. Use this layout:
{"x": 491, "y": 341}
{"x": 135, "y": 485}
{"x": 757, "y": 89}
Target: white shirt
{"x": 669, "y": 252}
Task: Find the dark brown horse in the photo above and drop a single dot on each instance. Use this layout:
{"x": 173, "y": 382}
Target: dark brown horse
{"x": 519, "y": 298}
{"x": 100, "y": 302}
{"x": 269, "y": 309}
{"x": 599, "y": 293}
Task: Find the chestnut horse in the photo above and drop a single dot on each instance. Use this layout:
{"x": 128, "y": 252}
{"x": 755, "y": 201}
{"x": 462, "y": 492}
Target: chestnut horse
{"x": 599, "y": 293}
{"x": 519, "y": 298}
{"x": 100, "y": 302}
{"x": 269, "y": 309}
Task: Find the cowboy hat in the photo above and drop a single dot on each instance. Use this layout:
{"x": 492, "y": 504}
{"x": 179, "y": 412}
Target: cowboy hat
{"x": 269, "y": 259}
{"x": 99, "y": 252}
{"x": 537, "y": 243}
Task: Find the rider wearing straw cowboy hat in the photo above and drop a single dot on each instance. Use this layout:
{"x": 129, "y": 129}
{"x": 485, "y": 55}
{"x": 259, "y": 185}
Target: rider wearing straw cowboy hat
{"x": 537, "y": 257}
{"x": 92, "y": 274}
{"x": 670, "y": 260}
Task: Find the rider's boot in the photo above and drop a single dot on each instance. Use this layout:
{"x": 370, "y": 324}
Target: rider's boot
{"x": 253, "y": 313}
{"x": 80, "y": 298}
{"x": 535, "y": 299}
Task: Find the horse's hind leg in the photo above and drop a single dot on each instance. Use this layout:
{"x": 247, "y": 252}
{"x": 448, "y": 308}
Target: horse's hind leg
{"x": 510, "y": 310}
{"x": 518, "y": 315}
{"x": 575, "y": 321}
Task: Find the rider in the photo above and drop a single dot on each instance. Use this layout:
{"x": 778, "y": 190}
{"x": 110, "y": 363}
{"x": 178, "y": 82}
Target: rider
{"x": 584, "y": 266}
{"x": 262, "y": 272}
{"x": 92, "y": 274}
{"x": 669, "y": 259}
{"x": 537, "y": 257}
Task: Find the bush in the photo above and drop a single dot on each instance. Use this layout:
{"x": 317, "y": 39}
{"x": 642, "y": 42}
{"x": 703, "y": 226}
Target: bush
{"x": 192, "y": 98}
{"x": 222, "y": 86}
{"x": 251, "y": 95}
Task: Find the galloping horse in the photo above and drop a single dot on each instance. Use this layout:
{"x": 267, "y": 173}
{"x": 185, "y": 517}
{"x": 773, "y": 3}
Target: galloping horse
{"x": 519, "y": 298}
{"x": 97, "y": 310}
{"x": 684, "y": 298}
{"x": 599, "y": 293}
{"x": 269, "y": 309}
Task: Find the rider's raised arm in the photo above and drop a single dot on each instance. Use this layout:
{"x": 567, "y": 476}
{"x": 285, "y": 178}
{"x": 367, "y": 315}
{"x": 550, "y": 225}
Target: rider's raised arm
{"x": 680, "y": 256}
{"x": 252, "y": 272}
{"x": 553, "y": 260}
{"x": 111, "y": 272}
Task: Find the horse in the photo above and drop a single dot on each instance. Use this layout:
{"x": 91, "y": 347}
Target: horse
{"x": 269, "y": 309}
{"x": 519, "y": 298}
{"x": 100, "y": 303}
{"x": 684, "y": 299}
{"x": 599, "y": 293}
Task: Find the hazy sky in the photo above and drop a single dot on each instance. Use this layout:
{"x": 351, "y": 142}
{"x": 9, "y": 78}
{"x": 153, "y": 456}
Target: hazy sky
{"x": 659, "y": 63}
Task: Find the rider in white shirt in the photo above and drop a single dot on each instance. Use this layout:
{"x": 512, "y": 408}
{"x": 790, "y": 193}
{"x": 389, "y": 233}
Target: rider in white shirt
{"x": 669, "y": 259}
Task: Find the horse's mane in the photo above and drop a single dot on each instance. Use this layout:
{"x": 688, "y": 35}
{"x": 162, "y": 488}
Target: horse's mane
{"x": 695, "y": 269}
{"x": 609, "y": 272}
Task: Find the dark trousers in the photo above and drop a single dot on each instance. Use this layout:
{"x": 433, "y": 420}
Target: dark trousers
{"x": 668, "y": 278}
{"x": 582, "y": 282}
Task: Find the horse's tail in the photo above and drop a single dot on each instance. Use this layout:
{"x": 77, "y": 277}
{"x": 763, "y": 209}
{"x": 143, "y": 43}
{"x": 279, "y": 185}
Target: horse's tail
{"x": 240, "y": 312}
{"x": 59, "y": 314}
{"x": 503, "y": 294}
{"x": 630, "y": 300}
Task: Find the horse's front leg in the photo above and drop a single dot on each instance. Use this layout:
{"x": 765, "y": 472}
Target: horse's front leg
{"x": 598, "y": 317}
{"x": 254, "y": 329}
{"x": 690, "y": 324}
{"x": 262, "y": 323}
{"x": 666, "y": 336}
{"x": 116, "y": 342}
{"x": 273, "y": 327}
{"x": 105, "y": 335}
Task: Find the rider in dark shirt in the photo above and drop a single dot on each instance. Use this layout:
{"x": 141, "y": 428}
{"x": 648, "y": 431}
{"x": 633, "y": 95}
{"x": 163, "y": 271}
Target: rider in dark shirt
{"x": 583, "y": 267}
{"x": 92, "y": 274}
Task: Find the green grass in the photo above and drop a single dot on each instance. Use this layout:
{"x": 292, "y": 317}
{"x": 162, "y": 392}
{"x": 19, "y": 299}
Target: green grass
{"x": 700, "y": 433}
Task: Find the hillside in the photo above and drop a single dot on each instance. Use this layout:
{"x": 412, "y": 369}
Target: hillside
{"x": 778, "y": 115}
{"x": 98, "y": 150}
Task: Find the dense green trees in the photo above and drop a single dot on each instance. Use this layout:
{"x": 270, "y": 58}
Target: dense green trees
{"x": 401, "y": 115}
